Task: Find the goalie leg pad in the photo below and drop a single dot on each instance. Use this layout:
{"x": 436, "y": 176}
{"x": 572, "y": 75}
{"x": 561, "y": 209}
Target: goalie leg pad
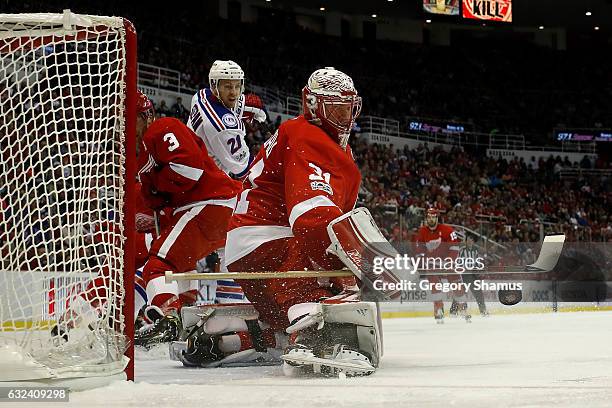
{"x": 354, "y": 324}
{"x": 218, "y": 335}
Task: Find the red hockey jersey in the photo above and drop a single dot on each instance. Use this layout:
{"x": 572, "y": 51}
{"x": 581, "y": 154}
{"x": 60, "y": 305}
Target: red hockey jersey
{"x": 298, "y": 170}
{"x": 440, "y": 242}
{"x": 176, "y": 165}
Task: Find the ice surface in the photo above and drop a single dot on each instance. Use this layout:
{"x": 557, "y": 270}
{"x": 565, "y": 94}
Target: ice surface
{"x": 535, "y": 360}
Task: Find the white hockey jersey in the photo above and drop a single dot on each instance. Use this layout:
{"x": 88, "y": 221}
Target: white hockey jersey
{"x": 222, "y": 130}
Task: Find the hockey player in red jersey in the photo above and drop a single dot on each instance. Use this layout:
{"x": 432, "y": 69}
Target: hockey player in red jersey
{"x": 303, "y": 178}
{"x": 177, "y": 172}
{"x": 439, "y": 241}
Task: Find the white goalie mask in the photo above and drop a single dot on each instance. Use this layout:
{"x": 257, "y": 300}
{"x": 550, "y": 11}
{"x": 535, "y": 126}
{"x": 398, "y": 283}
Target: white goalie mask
{"x": 225, "y": 70}
{"x": 330, "y": 101}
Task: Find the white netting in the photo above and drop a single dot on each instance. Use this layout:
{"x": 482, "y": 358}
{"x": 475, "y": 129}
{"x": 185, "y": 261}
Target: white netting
{"x": 62, "y": 138}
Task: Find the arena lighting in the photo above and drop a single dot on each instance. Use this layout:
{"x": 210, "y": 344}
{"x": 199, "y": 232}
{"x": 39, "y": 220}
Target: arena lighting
{"x": 588, "y": 13}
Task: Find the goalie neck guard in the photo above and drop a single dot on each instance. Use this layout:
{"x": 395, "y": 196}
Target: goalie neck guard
{"x": 330, "y": 101}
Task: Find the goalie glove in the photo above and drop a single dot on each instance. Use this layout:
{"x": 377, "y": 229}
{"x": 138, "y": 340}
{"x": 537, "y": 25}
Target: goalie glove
{"x": 359, "y": 244}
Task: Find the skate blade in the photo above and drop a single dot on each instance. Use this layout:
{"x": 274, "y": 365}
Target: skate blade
{"x": 356, "y": 366}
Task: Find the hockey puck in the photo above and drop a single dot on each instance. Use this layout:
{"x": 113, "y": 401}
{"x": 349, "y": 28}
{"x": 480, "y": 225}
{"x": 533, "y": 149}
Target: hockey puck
{"x": 510, "y": 297}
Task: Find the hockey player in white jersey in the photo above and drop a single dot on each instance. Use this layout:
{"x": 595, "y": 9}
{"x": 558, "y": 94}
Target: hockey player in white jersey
{"x": 216, "y": 114}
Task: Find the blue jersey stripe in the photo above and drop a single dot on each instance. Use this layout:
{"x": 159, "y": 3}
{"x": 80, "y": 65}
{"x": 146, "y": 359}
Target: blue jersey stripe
{"x": 210, "y": 119}
{"x": 248, "y": 167}
{"x": 141, "y": 291}
{"x": 223, "y": 295}
{"x": 227, "y": 283}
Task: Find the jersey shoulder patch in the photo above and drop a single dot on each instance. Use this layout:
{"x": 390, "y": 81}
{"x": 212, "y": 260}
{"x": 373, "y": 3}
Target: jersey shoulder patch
{"x": 217, "y": 114}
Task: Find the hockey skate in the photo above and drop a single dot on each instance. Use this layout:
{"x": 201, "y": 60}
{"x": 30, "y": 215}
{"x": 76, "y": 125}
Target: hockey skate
{"x": 334, "y": 340}
{"x": 164, "y": 329}
{"x": 302, "y": 360}
{"x": 462, "y": 311}
{"x": 454, "y": 309}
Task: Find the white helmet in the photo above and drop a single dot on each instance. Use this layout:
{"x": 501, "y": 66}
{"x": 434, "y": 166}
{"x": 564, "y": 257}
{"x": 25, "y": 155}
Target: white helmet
{"x": 225, "y": 70}
{"x": 327, "y": 88}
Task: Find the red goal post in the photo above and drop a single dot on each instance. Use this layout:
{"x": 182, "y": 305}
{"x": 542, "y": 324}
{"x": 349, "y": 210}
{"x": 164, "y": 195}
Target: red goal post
{"x": 67, "y": 173}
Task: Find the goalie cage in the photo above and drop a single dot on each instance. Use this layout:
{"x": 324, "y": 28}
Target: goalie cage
{"x": 67, "y": 141}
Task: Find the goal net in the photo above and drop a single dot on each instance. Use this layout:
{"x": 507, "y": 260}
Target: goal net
{"x": 66, "y": 83}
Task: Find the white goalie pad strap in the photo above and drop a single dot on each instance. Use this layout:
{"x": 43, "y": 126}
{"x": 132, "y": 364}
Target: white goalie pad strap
{"x": 158, "y": 286}
{"x": 187, "y": 285}
{"x": 303, "y": 315}
{"x": 222, "y": 316}
{"x": 230, "y": 343}
{"x": 360, "y": 245}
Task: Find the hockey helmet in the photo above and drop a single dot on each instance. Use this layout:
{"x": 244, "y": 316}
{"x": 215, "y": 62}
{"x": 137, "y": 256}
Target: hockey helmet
{"x": 144, "y": 105}
{"x": 330, "y": 101}
{"x": 225, "y": 70}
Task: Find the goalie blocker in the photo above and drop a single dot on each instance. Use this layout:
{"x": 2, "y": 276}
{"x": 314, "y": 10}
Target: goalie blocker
{"x": 357, "y": 241}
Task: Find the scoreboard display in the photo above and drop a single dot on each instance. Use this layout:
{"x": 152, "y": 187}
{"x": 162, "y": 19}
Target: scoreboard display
{"x": 485, "y": 10}
{"x": 443, "y": 7}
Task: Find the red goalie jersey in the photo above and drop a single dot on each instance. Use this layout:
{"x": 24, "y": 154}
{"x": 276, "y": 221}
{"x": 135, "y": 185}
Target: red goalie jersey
{"x": 300, "y": 180}
{"x": 176, "y": 170}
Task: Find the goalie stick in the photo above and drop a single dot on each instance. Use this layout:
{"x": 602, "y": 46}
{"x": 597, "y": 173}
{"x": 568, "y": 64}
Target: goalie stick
{"x": 546, "y": 262}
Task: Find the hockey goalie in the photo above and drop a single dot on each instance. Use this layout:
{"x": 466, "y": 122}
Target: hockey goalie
{"x": 296, "y": 212}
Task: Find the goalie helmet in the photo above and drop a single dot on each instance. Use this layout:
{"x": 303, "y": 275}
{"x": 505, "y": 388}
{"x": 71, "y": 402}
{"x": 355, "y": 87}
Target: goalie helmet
{"x": 330, "y": 101}
{"x": 225, "y": 70}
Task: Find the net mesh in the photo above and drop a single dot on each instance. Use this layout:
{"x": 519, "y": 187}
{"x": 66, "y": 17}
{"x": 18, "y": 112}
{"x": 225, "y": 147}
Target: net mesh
{"x": 62, "y": 240}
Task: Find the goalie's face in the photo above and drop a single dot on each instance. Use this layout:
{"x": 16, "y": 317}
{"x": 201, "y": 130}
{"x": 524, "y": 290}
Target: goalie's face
{"x": 335, "y": 114}
{"x": 228, "y": 91}
{"x": 339, "y": 113}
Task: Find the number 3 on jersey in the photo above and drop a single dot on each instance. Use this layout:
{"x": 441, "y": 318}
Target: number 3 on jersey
{"x": 173, "y": 143}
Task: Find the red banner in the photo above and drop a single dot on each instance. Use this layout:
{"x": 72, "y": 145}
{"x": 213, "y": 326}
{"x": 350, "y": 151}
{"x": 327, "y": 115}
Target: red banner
{"x": 491, "y": 10}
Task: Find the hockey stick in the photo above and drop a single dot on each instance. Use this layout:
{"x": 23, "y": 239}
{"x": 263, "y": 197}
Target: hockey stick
{"x": 341, "y": 273}
{"x": 547, "y": 260}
